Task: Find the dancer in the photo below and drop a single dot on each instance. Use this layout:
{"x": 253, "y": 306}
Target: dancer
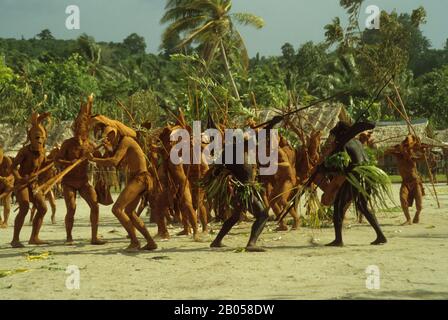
{"x": 407, "y": 154}
{"x": 6, "y": 186}
{"x": 361, "y": 181}
{"x": 120, "y": 141}
{"x": 26, "y": 166}
{"x": 77, "y": 181}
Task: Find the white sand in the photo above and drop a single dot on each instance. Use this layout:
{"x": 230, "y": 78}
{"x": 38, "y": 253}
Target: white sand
{"x": 414, "y": 264}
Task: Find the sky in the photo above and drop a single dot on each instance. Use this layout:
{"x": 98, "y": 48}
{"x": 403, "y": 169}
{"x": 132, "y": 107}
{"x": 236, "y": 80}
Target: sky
{"x": 293, "y": 21}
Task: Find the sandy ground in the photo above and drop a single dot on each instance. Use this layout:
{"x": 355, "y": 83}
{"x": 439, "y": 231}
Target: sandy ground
{"x": 413, "y": 265}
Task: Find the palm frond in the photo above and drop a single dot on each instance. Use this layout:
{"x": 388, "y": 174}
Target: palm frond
{"x": 248, "y": 19}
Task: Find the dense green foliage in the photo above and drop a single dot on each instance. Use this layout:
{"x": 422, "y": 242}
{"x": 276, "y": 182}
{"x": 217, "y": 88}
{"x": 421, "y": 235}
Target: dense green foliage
{"x": 202, "y": 67}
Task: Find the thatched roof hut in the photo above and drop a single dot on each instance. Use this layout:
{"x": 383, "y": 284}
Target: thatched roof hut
{"x": 390, "y": 133}
{"x": 442, "y": 135}
{"x": 322, "y": 117}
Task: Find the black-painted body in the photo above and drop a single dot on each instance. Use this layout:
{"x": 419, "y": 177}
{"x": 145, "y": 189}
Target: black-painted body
{"x": 348, "y": 194}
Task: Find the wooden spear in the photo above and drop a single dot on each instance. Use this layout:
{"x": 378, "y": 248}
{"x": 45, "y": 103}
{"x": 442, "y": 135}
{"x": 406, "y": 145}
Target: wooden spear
{"x": 46, "y": 187}
{"x": 31, "y": 179}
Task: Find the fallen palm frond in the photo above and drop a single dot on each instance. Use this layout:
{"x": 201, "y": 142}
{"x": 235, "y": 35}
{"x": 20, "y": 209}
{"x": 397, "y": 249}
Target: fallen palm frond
{"x": 5, "y": 273}
{"x": 32, "y": 256}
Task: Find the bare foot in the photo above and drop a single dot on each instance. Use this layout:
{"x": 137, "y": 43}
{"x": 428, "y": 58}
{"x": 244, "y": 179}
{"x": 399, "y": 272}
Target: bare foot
{"x": 133, "y": 247}
{"x": 162, "y": 235}
{"x": 183, "y": 233}
{"x": 416, "y": 219}
{"x": 17, "y": 244}
{"x": 69, "y": 242}
{"x": 255, "y": 249}
{"x": 217, "y": 245}
{"x": 196, "y": 237}
{"x": 4, "y": 225}
{"x": 150, "y": 246}
{"x": 37, "y": 242}
{"x": 53, "y": 220}
{"x": 295, "y": 225}
{"x": 379, "y": 241}
{"x": 335, "y": 243}
{"x": 97, "y": 242}
{"x": 281, "y": 228}
{"x": 407, "y": 223}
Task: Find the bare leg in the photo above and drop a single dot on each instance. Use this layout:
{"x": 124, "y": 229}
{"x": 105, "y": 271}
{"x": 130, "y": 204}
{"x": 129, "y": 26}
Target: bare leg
{"x": 52, "y": 201}
{"x": 39, "y": 202}
{"x": 32, "y": 214}
{"x": 130, "y": 195}
{"x": 70, "y": 204}
{"x": 418, "y": 204}
{"x": 285, "y": 192}
{"x": 261, "y": 217}
{"x": 198, "y": 204}
{"x": 88, "y": 193}
{"x": 404, "y": 195}
{"x": 186, "y": 204}
{"x": 226, "y": 227}
{"x": 184, "y": 218}
{"x": 364, "y": 209}
{"x": 160, "y": 209}
{"x": 22, "y": 197}
{"x": 139, "y": 224}
{"x": 141, "y": 207}
{"x": 6, "y": 211}
{"x": 177, "y": 211}
{"x": 341, "y": 204}
{"x": 278, "y": 211}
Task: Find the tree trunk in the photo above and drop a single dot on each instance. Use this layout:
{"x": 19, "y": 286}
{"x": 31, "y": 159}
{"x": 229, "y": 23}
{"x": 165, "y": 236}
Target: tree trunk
{"x": 226, "y": 63}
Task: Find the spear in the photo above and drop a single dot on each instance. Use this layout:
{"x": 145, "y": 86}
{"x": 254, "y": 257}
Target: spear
{"x": 46, "y": 187}
{"x": 277, "y": 119}
{"x": 30, "y": 180}
{"x": 51, "y": 182}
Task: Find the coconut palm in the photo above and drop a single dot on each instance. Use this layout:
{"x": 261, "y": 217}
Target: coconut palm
{"x": 210, "y": 25}
{"x": 90, "y": 50}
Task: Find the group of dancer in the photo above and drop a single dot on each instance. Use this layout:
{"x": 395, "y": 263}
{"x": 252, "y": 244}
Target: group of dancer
{"x": 189, "y": 192}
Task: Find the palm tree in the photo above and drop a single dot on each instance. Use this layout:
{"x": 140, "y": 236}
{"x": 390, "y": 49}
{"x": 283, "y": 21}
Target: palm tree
{"x": 334, "y": 32}
{"x": 90, "y": 50}
{"x": 209, "y": 24}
